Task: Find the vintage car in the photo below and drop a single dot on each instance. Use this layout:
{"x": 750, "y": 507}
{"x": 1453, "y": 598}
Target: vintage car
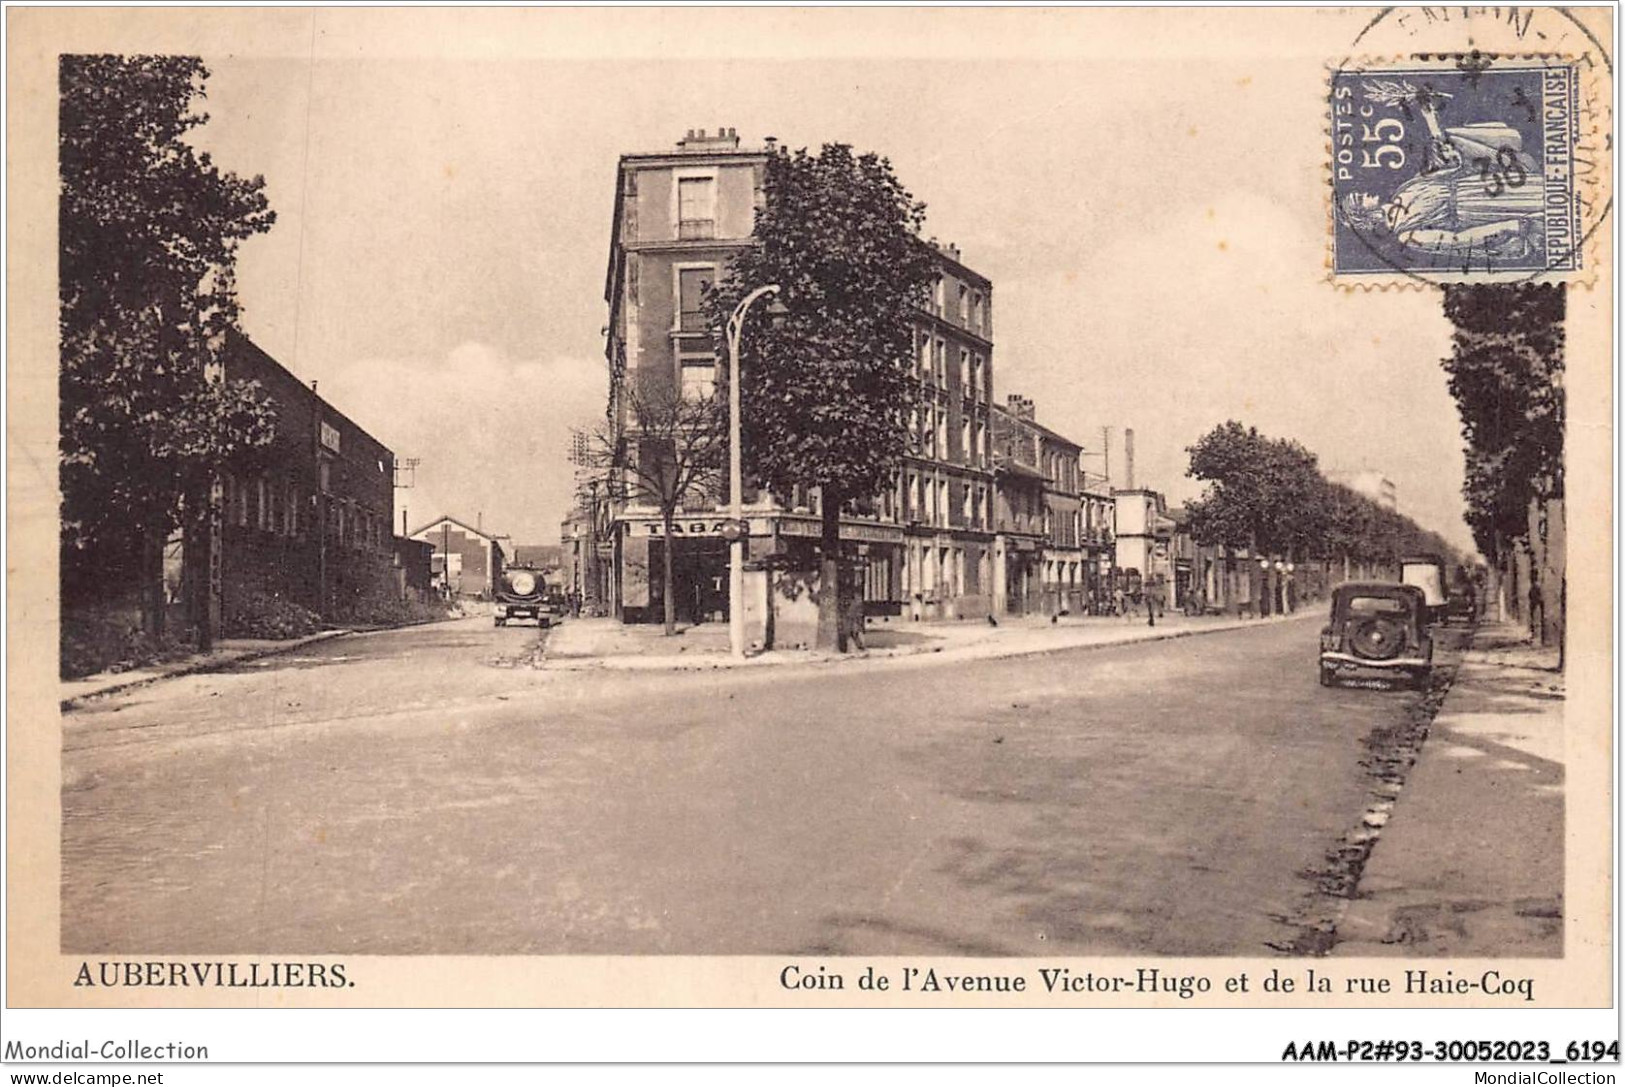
{"x": 1377, "y": 627}
{"x": 523, "y": 593}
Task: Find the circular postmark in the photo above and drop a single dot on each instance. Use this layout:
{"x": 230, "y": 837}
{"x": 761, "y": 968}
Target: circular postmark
{"x": 1469, "y": 145}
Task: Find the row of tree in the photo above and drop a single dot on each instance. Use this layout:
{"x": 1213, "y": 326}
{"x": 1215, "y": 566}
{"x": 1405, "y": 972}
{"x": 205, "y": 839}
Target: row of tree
{"x": 149, "y": 230}
{"x": 1506, "y": 373}
{"x": 1268, "y": 495}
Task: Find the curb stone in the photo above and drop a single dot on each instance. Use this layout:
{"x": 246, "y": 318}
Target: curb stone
{"x": 201, "y": 667}
{"x": 948, "y": 653}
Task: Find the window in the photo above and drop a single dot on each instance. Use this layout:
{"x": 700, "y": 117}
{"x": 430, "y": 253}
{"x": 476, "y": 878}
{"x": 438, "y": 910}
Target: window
{"x": 941, "y": 448}
{"x": 964, "y": 304}
{"x": 326, "y": 472}
{"x": 965, "y": 454}
{"x": 696, "y": 207}
{"x": 692, "y": 285}
{"x": 939, "y": 363}
{"x": 937, "y": 304}
{"x": 924, "y": 342}
{"x": 964, "y": 371}
{"x": 699, "y": 378}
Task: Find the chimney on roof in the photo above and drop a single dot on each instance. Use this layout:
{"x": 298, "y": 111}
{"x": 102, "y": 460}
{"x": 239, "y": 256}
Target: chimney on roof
{"x": 726, "y": 139}
{"x": 1020, "y": 406}
{"x": 1128, "y": 457}
{"x": 953, "y": 252}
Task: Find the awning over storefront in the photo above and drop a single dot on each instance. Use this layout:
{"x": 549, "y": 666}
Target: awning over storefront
{"x": 856, "y": 531}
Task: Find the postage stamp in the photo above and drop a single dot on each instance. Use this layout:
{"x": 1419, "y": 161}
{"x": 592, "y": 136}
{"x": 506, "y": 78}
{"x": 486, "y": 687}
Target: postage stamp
{"x": 1456, "y": 171}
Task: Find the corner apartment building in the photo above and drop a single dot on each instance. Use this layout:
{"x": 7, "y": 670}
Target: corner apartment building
{"x": 923, "y": 547}
{"x": 680, "y": 216}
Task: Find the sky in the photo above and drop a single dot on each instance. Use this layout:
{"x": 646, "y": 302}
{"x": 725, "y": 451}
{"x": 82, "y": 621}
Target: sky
{"x": 1153, "y": 223}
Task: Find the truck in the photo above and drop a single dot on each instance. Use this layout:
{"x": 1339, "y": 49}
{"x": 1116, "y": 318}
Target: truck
{"x": 528, "y": 592}
{"x": 1428, "y": 573}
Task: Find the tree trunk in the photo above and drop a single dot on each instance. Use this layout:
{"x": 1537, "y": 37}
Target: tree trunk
{"x": 152, "y": 578}
{"x": 195, "y": 579}
{"x": 667, "y": 578}
{"x": 831, "y": 622}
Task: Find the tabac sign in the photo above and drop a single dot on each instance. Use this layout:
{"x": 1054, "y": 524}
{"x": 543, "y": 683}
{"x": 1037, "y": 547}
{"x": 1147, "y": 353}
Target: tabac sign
{"x": 685, "y": 528}
{"x": 330, "y": 437}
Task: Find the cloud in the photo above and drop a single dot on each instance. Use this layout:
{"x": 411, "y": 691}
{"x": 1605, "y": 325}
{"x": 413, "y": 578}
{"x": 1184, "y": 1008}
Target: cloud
{"x": 491, "y": 432}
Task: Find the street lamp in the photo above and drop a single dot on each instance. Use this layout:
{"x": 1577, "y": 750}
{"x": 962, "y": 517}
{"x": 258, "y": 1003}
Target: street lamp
{"x": 736, "y": 477}
{"x": 1263, "y": 588}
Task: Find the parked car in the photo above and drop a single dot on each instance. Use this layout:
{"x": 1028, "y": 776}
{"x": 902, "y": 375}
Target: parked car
{"x": 523, "y": 593}
{"x": 1377, "y": 627}
{"x": 1461, "y": 605}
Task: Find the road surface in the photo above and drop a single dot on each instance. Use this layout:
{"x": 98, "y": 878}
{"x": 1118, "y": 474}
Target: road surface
{"x": 411, "y": 792}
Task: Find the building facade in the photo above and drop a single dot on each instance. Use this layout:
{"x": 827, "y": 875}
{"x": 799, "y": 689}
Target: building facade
{"x": 679, "y": 217}
{"x": 922, "y": 548}
{"x": 1050, "y": 536}
{"x": 945, "y": 491}
{"x": 309, "y": 520}
{"x": 466, "y": 561}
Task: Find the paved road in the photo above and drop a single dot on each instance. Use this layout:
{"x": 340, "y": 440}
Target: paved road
{"x": 399, "y": 793}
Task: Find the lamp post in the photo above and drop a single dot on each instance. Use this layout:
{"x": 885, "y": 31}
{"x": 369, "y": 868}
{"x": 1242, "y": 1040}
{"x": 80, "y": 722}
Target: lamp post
{"x": 736, "y": 477}
{"x": 1264, "y": 588}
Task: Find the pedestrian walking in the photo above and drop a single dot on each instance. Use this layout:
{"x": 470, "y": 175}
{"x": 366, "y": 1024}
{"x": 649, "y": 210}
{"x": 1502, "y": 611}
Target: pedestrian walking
{"x": 1537, "y": 613}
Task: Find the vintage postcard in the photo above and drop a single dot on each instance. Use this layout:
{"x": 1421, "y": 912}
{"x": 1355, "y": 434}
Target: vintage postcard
{"x": 811, "y": 508}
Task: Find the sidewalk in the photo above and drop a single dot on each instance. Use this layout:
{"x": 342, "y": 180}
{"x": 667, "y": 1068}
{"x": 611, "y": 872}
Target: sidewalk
{"x": 1471, "y": 861}
{"x": 227, "y": 651}
{"x": 580, "y": 644}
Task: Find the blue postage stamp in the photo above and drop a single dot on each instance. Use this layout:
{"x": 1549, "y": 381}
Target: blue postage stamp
{"x": 1456, "y": 171}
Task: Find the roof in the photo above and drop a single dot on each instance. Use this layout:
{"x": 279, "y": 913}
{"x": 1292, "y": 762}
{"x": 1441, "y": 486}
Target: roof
{"x": 1377, "y": 588}
{"x": 1016, "y": 468}
{"x": 468, "y": 528}
{"x": 537, "y": 555}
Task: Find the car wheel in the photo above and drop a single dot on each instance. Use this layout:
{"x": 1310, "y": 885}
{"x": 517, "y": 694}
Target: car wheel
{"x": 1422, "y": 678}
{"x": 1327, "y": 676}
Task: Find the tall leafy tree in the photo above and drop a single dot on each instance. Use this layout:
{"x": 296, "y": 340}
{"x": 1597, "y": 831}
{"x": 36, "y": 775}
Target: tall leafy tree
{"x": 826, "y": 387}
{"x": 149, "y": 230}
